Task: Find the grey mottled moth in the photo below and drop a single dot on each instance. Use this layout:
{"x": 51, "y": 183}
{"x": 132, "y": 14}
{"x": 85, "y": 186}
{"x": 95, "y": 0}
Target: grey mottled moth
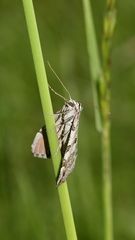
{"x": 67, "y": 122}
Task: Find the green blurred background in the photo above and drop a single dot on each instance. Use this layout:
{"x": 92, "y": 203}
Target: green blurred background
{"x": 29, "y": 204}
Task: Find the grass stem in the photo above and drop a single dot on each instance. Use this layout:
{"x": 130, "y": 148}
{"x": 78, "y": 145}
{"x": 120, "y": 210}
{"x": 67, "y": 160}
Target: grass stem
{"x": 48, "y": 115}
{"x": 108, "y": 30}
{"x": 94, "y": 60}
{"x": 100, "y": 72}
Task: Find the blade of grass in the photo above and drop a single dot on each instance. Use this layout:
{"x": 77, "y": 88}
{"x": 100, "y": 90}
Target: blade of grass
{"x": 108, "y": 30}
{"x": 48, "y": 115}
{"x": 94, "y": 61}
{"x": 101, "y": 78}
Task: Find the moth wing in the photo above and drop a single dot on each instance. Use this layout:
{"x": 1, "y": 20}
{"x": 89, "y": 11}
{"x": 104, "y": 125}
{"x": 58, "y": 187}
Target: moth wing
{"x": 68, "y": 118}
{"x": 59, "y": 126}
{"x": 70, "y": 151}
{"x": 40, "y": 145}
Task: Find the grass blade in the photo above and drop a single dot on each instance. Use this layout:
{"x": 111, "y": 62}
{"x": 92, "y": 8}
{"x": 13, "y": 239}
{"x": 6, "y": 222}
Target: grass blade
{"x": 48, "y": 115}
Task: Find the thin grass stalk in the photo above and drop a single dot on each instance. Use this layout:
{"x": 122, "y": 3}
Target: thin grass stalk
{"x": 108, "y": 30}
{"x": 94, "y": 60}
{"x": 48, "y": 115}
{"x": 101, "y": 80}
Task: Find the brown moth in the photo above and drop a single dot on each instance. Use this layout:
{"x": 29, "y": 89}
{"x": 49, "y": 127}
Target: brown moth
{"x": 67, "y": 122}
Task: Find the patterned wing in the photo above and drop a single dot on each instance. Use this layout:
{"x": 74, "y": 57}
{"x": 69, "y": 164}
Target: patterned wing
{"x": 69, "y": 145}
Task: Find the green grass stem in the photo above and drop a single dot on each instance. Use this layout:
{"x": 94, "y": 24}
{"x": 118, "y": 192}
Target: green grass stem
{"x": 108, "y": 30}
{"x": 94, "y": 60}
{"x": 48, "y": 115}
{"x": 101, "y": 77}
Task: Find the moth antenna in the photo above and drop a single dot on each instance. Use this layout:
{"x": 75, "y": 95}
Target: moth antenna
{"x": 59, "y": 79}
{"x": 58, "y": 94}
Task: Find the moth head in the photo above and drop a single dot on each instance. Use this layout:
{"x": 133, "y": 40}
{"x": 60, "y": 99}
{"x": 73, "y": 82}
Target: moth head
{"x": 73, "y": 104}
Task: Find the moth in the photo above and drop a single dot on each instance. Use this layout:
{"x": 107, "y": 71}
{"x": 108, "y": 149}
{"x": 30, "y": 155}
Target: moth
{"x": 67, "y": 123}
